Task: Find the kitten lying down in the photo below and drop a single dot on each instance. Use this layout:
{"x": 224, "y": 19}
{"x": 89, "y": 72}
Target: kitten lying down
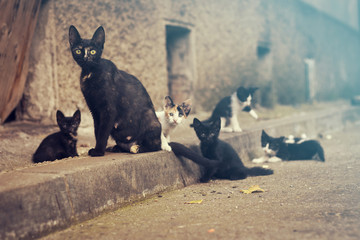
{"x": 289, "y": 149}
{"x": 170, "y": 117}
{"x": 61, "y": 144}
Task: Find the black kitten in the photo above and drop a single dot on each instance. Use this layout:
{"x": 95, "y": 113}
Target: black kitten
{"x": 229, "y": 107}
{"x": 224, "y": 161}
{"x": 61, "y": 144}
{"x": 278, "y": 149}
{"x": 119, "y": 103}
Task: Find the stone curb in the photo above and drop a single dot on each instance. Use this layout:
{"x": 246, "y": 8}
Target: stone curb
{"x": 39, "y": 199}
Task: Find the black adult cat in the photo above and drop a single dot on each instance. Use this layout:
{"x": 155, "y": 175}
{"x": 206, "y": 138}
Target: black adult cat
{"x": 119, "y": 103}
{"x": 229, "y": 107}
{"x": 61, "y": 144}
{"x": 220, "y": 159}
{"x": 277, "y": 149}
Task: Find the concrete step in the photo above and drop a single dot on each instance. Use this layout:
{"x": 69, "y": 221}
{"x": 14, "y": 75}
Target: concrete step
{"x": 38, "y": 199}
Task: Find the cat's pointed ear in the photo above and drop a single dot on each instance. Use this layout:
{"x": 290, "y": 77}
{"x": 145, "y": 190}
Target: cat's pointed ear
{"x": 74, "y": 36}
{"x": 196, "y": 123}
{"x": 253, "y": 89}
{"x": 264, "y": 134}
{"x": 186, "y": 106}
{"x": 242, "y": 94}
{"x": 217, "y": 123}
{"x": 99, "y": 37}
{"x": 59, "y": 116}
{"x": 168, "y": 102}
{"x": 77, "y": 116}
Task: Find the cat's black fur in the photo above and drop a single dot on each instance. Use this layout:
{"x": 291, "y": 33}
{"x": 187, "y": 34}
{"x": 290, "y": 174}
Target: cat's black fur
{"x": 302, "y": 150}
{"x": 119, "y": 103}
{"x": 220, "y": 159}
{"x": 61, "y": 144}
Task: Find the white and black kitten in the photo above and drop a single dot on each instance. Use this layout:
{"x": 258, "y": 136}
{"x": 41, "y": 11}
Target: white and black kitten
{"x": 229, "y": 107}
{"x": 170, "y": 118}
{"x": 119, "y": 103}
{"x": 61, "y": 144}
{"x": 278, "y": 149}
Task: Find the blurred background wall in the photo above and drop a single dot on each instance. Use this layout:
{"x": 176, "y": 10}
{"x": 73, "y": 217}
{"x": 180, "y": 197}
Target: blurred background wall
{"x": 294, "y": 51}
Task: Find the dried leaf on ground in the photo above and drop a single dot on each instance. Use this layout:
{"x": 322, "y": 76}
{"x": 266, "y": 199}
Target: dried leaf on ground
{"x": 195, "y": 202}
{"x": 252, "y": 189}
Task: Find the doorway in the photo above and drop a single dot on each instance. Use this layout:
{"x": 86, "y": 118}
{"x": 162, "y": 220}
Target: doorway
{"x": 179, "y": 63}
{"x": 310, "y": 81}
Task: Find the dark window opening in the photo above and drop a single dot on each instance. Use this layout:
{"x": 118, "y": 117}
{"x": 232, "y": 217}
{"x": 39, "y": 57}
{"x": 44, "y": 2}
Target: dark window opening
{"x": 263, "y": 49}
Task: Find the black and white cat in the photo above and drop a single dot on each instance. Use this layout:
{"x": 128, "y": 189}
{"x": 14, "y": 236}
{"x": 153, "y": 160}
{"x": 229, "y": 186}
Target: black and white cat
{"x": 279, "y": 149}
{"x": 61, "y": 144}
{"x": 170, "y": 118}
{"x": 119, "y": 103}
{"x": 219, "y": 158}
{"x": 229, "y": 107}
{"x": 293, "y": 139}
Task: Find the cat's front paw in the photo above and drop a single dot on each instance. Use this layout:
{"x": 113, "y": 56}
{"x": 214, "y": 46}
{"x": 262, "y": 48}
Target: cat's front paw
{"x": 275, "y": 159}
{"x": 226, "y": 129}
{"x": 259, "y": 160}
{"x": 95, "y": 153}
{"x": 166, "y": 147}
{"x": 237, "y": 130}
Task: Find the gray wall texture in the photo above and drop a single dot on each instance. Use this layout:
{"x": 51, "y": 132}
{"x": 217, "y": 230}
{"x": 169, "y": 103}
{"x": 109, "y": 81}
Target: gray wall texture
{"x": 260, "y": 43}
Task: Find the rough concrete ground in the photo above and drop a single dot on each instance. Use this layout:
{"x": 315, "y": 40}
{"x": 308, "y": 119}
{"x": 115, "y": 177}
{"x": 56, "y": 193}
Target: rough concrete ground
{"x": 302, "y": 200}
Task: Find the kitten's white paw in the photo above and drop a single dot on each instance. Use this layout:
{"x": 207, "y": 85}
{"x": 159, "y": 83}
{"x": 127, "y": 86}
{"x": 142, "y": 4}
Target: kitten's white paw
{"x": 166, "y": 148}
{"x": 253, "y": 114}
{"x": 259, "y": 160}
{"x": 237, "y": 130}
{"x": 226, "y": 129}
{"x": 134, "y": 148}
{"x": 275, "y": 159}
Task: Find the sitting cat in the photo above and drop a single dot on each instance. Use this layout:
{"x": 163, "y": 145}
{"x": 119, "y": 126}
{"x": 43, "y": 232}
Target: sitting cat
{"x": 277, "y": 149}
{"x": 170, "y": 117}
{"x": 61, "y": 144}
{"x": 119, "y": 103}
{"x": 219, "y": 158}
{"x": 229, "y": 107}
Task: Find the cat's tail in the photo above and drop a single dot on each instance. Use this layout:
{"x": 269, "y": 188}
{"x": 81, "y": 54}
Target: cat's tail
{"x": 181, "y": 150}
{"x": 258, "y": 171}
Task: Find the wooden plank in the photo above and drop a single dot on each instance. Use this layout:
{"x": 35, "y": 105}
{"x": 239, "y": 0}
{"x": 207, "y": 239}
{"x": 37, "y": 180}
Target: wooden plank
{"x": 17, "y": 25}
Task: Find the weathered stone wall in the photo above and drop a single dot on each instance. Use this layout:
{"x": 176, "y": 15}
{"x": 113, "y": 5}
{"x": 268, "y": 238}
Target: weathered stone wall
{"x": 300, "y": 31}
{"x": 134, "y": 42}
{"x": 224, "y": 38}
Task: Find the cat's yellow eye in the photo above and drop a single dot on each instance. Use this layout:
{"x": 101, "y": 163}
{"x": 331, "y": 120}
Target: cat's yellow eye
{"x": 92, "y": 52}
{"x": 78, "y": 51}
